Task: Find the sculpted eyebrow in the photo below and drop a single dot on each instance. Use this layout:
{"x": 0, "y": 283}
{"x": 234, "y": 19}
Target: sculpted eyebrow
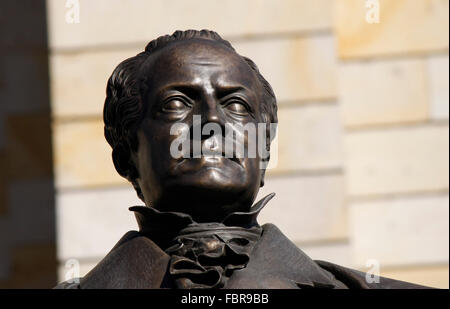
{"x": 192, "y": 91}
{"x": 224, "y": 91}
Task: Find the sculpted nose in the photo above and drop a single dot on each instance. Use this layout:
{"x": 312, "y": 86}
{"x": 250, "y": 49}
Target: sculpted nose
{"x": 211, "y": 111}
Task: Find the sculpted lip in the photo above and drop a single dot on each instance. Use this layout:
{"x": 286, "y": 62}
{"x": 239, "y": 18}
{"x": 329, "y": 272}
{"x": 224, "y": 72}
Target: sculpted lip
{"x": 210, "y": 160}
{"x": 212, "y": 155}
{"x": 217, "y": 159}
{"x": 214, "y": 159}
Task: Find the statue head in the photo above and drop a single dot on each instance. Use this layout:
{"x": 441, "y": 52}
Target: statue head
{"x": 159, "y": 100}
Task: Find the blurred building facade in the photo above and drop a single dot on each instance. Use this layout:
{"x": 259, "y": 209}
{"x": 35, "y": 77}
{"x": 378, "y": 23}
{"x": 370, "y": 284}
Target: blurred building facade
{"x": 27, "y": 193}
{"x": 362, "y": 176}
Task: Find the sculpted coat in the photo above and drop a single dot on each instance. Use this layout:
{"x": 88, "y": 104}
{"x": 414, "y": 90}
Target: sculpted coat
{"x": 272, "y": 262}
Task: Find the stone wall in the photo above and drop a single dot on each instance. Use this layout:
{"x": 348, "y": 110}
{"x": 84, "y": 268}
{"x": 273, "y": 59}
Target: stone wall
{"x": 362, "y": 169}
{"x": 27, "y": 196}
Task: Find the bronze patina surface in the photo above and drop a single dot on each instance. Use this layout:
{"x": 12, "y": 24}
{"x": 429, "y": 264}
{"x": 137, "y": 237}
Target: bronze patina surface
{"x": 198, "y": 228}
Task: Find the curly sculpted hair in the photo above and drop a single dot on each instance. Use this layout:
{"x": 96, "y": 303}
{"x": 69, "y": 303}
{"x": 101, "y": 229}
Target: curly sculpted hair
{"x": 124, "y": 108}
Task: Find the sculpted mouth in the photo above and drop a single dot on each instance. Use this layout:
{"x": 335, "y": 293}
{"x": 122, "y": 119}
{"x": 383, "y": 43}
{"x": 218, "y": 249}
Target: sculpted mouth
{"x": 211, "y": 150}
{"x": 207, "y": 161}
{"x": 212, "y": 156}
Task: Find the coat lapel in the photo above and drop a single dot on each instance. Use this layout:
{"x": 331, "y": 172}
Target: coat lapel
{"x": 276, "y": 262}
{"x": 135, "y": 262}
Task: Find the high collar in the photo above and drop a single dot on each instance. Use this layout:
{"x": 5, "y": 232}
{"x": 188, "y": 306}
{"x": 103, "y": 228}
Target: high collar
{"x": 136, "y": 262}
{"x": 162, "y": 227}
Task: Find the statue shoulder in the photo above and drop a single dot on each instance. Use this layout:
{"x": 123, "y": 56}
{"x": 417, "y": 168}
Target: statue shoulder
{"x": 134, "y": 262}
{"x": 355, "y": 279}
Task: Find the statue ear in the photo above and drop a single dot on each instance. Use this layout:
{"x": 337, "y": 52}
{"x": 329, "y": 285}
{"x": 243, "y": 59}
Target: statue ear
{"x": 124, "y": 167}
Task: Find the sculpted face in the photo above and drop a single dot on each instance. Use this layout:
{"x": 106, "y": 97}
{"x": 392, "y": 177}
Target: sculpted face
{"x": 203, "y": 78}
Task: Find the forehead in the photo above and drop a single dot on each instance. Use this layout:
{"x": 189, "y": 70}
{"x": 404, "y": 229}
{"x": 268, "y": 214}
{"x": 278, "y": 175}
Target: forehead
{"x": 199, "y": 61}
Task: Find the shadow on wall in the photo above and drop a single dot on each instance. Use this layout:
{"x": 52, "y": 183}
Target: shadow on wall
{"x": 27, "y": 206}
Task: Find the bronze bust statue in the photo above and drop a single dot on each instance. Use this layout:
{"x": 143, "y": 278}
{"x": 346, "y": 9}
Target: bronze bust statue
{"x": 199, "y": 228}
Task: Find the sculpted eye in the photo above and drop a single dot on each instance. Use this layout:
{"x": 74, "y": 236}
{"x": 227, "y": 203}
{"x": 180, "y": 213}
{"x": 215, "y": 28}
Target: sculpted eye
{"x": 237, "y": 107}
{"x": 175, "y": 104}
